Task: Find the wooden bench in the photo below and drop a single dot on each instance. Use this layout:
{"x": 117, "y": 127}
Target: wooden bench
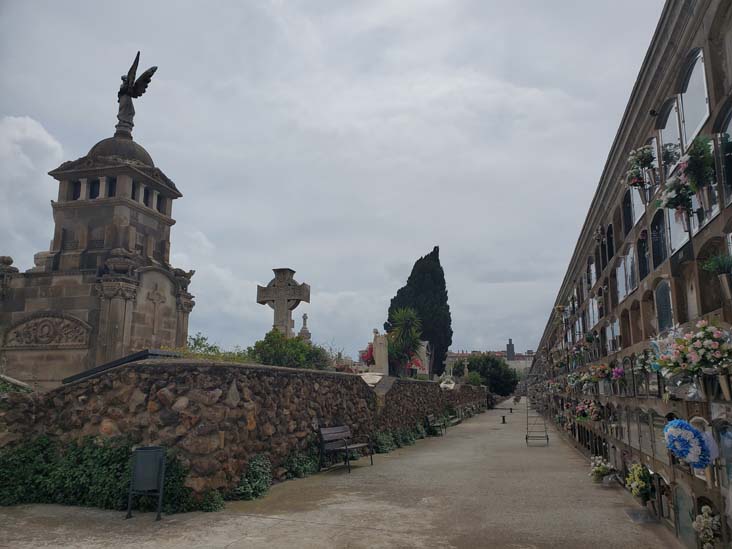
{"x": 435, "y": 424}
{"x": 339, "y": 439}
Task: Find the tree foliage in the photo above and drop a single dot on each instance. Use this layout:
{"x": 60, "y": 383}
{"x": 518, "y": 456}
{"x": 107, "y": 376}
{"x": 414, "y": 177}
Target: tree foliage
{"x": 426, "y": 293}
{"x": 277, "y": 350}
{"x": 494, "y": 372}
{"x": 458, "y": 369}
{"x": 404, "y": 338}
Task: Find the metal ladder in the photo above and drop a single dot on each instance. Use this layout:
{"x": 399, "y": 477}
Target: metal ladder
{"x": 535, "y": 424}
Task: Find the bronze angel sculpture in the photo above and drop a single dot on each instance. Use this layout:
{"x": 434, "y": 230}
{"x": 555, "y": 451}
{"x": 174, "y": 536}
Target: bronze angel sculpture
{"x": 128, "y": 89}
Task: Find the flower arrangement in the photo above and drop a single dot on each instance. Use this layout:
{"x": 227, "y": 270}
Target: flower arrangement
{"x": 618, "y": 373}
{"x": 367, "y": 356}
{"x": 638, "y": 481}
{"x": 687, "y": 443}
{"x": 678, "y": 192}
{"x": 707, "y": 527}
{"x": 645, "y": 361}
{"x": 416, "y": 364}
{"x": 581, "y": 411}
{"x": 640, "y": 159}
{"x": 587, "y": 409}
{"x": 707, "y": 347}
{"x": 572, "y": 380}
{"x": 594, "y": 410}
{"x": 599, "y": 371}
{"x": 599, "y": 468}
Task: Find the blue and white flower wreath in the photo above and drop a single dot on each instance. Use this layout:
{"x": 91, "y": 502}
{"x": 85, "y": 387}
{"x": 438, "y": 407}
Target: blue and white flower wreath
{"x": 687, "y": 443}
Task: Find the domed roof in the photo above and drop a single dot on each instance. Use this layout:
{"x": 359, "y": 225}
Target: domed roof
{"x": 122, "y": 147}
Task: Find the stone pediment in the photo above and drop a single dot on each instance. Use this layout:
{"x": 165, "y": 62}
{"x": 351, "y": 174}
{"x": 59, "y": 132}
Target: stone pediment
{"x": 47, "y": 329}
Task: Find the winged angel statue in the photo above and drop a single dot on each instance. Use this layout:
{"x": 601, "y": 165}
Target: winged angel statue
{"x": 128, "y": 89}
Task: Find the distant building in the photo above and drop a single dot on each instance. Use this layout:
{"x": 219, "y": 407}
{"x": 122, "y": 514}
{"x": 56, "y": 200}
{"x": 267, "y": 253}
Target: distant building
{"x": 521, "y": 362}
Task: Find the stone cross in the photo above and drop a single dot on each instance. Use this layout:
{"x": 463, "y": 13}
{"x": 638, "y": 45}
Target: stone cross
{"x": 157, "y": 298}
{"x": 283, "y": 294}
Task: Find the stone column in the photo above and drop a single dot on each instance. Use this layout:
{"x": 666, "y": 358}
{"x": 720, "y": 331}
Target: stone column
{"x": 185, "y": 304}
{"x": 115, "y": 318}
{"x": 141, "y": 193}
{"x": 63, "y": 191}
{"x": 84, "y": 189}
{"x": 102, "y": 186}
{"x": 154, "y": 200}
{"x": 124, "y": 186}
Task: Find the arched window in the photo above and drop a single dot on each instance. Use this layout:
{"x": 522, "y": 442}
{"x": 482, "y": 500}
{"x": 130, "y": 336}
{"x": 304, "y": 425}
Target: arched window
{"x": 694, "y": 100}
{"x": 684, "y": 516}
{"x": 664, "y": 312}
{"x": 677, "y": 233}
{"x": 670, "y": 136}
{"x": 628, "y": 217}
{"x": 725, "y": 151}
{"x": 610, "y": 243}
{"x": 724, "y": 432}
{"x": 658, "y": 239}
{"x": 643, "y": 264}
{"x": 631, "y": 280}
{"x": 591, "y": 273}
{"x": 646, "y": 434}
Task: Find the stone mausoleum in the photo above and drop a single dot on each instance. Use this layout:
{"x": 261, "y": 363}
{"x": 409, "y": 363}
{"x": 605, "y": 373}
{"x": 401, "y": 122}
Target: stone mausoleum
{"x": 105, "y": 288}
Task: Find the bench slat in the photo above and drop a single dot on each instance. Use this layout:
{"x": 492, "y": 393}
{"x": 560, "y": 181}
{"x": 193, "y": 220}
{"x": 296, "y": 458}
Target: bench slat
{"x": 328, "y": 434}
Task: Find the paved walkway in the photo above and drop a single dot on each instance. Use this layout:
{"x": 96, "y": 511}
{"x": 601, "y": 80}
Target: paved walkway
{"x": 477, "y": 487}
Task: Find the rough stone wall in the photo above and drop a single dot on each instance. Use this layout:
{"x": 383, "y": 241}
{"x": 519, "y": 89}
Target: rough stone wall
{"x": 404, "y": 403}
{"x": 466, "y": 394}
{"x": 218, "y": 416}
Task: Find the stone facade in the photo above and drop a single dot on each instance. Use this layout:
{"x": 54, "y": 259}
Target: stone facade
{"x": 218, "y": 415}
{"x": 636, "y": 272}
{"x": 105, "y": 288}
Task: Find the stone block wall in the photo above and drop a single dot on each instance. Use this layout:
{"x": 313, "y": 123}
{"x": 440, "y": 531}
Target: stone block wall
{"x": 218, "y": 416}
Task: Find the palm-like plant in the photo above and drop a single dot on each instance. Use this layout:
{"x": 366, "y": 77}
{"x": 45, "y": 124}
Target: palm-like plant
{"x": 404, "y": 336}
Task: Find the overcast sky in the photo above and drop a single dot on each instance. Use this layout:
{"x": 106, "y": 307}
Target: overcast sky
{"x": 341, "y": 139}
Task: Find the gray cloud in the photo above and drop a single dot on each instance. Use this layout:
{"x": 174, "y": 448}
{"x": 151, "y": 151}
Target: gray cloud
{"x": 343, "y": 140}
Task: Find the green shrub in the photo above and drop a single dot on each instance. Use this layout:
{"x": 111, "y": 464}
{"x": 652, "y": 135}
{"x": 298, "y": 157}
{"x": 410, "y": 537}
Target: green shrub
{"x": 419, "y": 431}
{"x": 718, "y": 264}
{"x": 212, "y": 501}
{"x": 88, "y": 472}
{"x": 7, "y": 387}
{"x": 302, "y": 464}
{"x": 257, "y": 480}
{"x": 404, "y": 437}
{"x": 474, "y": 378}
{"x": 384, "y": 442}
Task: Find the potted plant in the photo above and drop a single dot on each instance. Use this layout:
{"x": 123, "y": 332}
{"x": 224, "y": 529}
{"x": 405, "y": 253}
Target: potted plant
{"x": 599, "y": 468}
{"x": 708, "y": 527}
{"x": 703, "y": 352}
{"x": 721, "y": 265}
{"x": 639, "y": 482}
{"x": 618, "y": 377}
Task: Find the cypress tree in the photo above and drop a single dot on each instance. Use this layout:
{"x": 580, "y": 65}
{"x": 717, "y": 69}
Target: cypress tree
{"x": 426, "y": 293}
